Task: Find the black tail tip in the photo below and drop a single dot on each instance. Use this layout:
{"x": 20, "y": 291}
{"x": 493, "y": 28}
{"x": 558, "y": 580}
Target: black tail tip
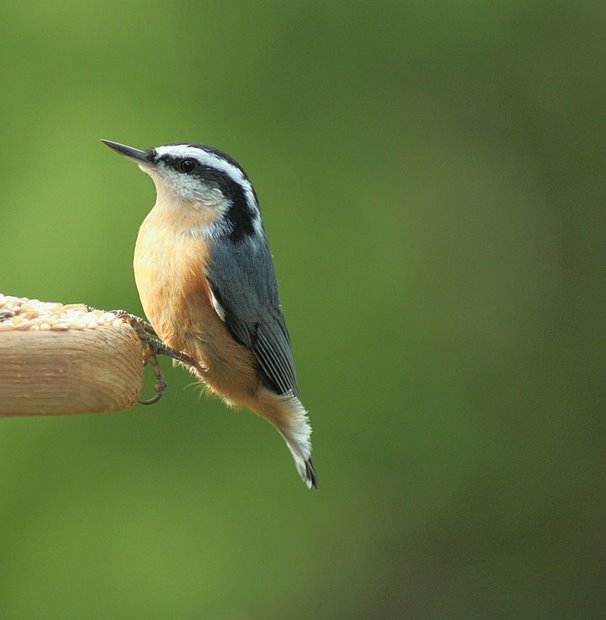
{"x": 311, "y": 477}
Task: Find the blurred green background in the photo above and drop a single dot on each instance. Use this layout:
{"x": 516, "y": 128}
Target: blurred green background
{"x": 432, "y": 179}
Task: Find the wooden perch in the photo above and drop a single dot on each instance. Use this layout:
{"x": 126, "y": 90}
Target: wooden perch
{"x": 57, "y": 359}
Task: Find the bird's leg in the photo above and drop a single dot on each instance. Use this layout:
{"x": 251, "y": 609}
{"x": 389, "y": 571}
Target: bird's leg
{"x": 147, "y": 335}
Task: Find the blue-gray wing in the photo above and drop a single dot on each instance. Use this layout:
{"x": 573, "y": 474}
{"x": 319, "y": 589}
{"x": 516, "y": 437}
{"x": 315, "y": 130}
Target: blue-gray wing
{"x": 242, "y": 278}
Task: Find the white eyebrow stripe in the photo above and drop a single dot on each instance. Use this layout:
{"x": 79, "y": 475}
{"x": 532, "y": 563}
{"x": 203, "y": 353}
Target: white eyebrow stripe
{"x": 206, "y": 159}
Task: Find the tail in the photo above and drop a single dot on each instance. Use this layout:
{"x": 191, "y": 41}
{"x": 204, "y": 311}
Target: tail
{"x": 288, "y": 415}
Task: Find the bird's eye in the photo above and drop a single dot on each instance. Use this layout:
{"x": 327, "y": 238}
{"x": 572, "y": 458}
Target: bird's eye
{"x": 187, "y": 165}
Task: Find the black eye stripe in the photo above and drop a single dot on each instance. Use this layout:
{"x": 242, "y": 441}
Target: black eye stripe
{"x": 188, "y": 165}
{"x": 206, "y": 174}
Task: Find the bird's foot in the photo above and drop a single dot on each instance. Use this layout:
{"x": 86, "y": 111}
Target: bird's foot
{"x": 153, "y": 347}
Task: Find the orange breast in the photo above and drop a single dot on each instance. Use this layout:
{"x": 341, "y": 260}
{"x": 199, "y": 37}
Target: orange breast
{"x": 170, "y": 272}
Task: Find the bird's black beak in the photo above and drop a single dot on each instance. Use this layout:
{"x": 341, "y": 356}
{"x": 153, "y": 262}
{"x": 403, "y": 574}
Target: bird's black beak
{"x": 136, "y": 155}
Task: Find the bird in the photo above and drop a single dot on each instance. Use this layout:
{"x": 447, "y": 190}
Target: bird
{"x": 207, "y": 284}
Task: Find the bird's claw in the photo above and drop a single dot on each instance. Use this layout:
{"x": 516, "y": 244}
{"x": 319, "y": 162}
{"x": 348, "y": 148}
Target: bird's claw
{"x": 160, "y": 384}
{"x": 153, "y": 347}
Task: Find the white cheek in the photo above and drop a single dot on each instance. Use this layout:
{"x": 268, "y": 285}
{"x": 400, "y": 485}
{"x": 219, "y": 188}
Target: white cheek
{"x": 180, "y": 184}
{"x": 184, "y": 187}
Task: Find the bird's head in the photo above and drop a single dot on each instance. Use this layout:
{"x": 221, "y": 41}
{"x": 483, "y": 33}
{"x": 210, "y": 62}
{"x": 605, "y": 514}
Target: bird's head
{"x": 197, "y": 176}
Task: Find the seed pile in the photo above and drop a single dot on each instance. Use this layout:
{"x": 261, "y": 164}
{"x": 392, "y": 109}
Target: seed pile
{"x": 22, "y": 314}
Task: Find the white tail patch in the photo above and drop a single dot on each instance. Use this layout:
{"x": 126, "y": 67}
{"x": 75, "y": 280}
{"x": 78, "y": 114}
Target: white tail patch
{"x": 295, "y": 428}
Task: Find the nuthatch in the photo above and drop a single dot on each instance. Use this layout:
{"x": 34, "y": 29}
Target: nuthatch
{"x": 207, "y": 284}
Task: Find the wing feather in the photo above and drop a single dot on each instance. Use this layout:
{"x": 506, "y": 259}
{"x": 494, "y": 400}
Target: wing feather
{"x": 243, "y": 281}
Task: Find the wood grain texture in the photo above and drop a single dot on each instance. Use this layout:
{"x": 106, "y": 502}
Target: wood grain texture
{"x": 67, "y": 372}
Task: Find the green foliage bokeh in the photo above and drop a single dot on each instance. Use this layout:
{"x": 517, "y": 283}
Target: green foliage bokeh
{"x": 431, "y": 176}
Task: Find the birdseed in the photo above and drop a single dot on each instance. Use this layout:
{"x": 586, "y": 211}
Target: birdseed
{"x": 23, "y": 314}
